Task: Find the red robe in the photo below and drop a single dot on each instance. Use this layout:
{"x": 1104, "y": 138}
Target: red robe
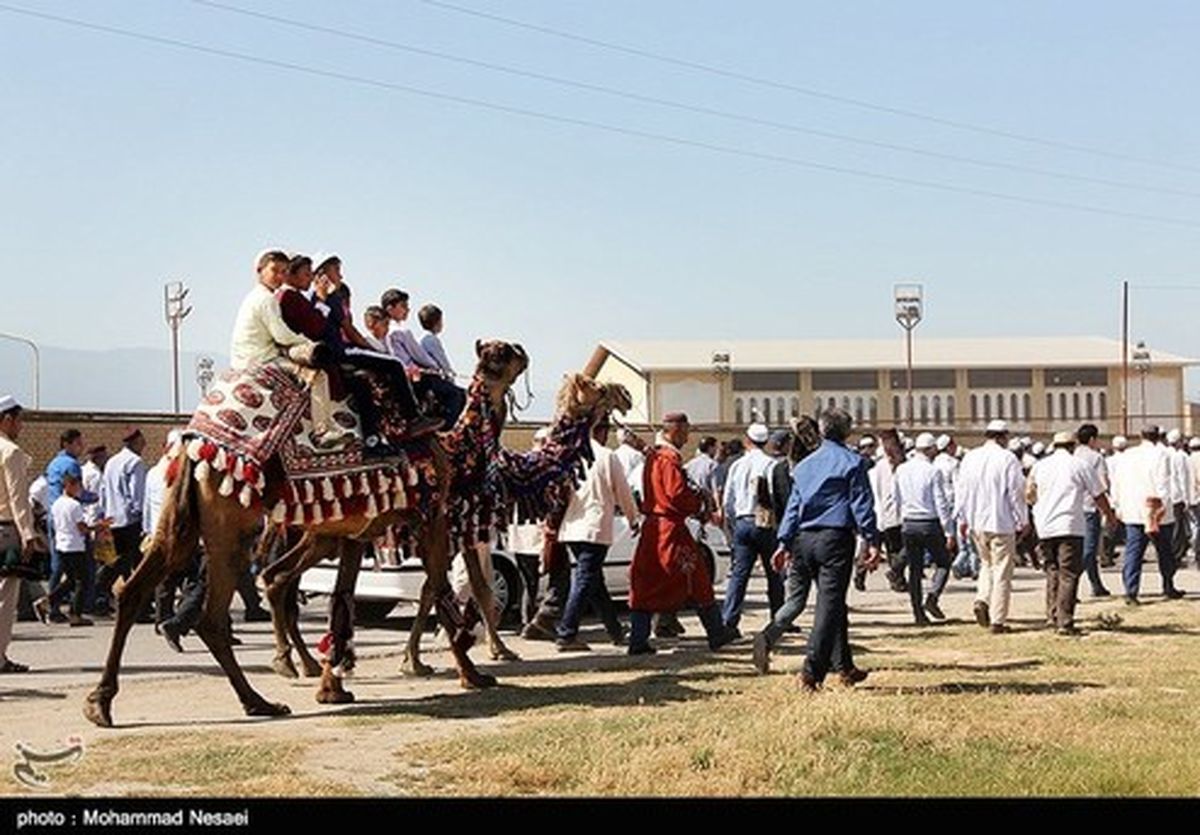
{"x": 668, "y": 572}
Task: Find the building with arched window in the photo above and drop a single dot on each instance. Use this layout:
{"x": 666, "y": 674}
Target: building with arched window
{"x": 1036, "y": 384}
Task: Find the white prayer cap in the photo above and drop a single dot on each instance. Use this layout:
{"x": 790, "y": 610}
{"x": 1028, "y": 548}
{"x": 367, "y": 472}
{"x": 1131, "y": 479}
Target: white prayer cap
{"x": 1174, "y": 436}
{"x": 869, "y": 440}
{"x": 908, "y": 442}
{"x": 1064, "y": 438}
{"x": 758, "y": 433}
{"x": 925, "y": 441}
{"x": 1026, "y": 440}
{"x": 1120, "y": 442}
{"x": 1014, "y": 445}
{"x": 943, "y": 442}
{"x": 1194, "y": 443}
{"x": 1038, "y": 448}
{"x": 7, "y": 403}
{"x": 997, "y": 426}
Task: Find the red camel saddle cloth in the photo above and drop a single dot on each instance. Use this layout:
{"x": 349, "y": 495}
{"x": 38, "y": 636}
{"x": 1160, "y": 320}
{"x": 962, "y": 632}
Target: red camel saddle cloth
{"x": 251, "y": 415}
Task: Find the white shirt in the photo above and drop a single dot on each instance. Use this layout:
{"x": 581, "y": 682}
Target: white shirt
{"x": 1095, "y": 462}
{"x": 376, "y": 344}
{"x": 590, "y": 514}
{"x": 741, "y": 485}
{"x": 527, "y": 538}
{"x": 259, "y": 330}
{"x": 156, "y": 490}
{"x": 991, "y": 491}
{"x": 700, "y": 471}
{"x": 921, "y": 493}
{"x": 1194, "y": 475}
{"x": 1113, "y": 464}
{"x": 1177, "y": 461}
{"x": 1143, "y": 473}
{"x": 1064, "y": 481}
{"x": 882, "y": 478}
{"x": 633, "y": 462}
{"x": 67, "y": 514}
{"x": 39, "y": 493}
{"x": 93, "y": 482}
{"x": 948, "y": 465}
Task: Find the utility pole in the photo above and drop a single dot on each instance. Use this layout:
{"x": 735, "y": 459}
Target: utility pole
{"x": 909, "y": 311}
{"x": 174, "y": 294}
{"x": 1125, "y": 358}
{"x": 37, "y": 366}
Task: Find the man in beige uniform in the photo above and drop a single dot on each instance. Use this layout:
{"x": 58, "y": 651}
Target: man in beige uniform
{"x": 17, "y": 534}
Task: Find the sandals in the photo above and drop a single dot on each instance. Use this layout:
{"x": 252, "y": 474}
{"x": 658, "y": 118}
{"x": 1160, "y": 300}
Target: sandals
{"x": 10, "y": 666}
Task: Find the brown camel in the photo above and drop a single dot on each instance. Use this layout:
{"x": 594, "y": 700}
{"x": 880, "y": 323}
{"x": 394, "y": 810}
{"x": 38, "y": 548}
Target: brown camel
{"x": 197, "y": 509}
{"x": 581, "y": 401}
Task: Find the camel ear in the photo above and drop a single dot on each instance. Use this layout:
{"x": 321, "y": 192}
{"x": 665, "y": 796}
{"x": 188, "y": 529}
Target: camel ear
{"x": 479, "y": 347}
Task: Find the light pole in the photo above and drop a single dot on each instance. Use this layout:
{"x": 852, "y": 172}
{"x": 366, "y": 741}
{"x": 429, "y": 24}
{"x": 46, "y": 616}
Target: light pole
{"x": 1141, "y": 362}
{"x": 720, "y": 367}
{"x": 909, "y": 308}
{"x": 204, "y": 374}
{"x": 174, "y": 293}
{"x": 37, "y": 366}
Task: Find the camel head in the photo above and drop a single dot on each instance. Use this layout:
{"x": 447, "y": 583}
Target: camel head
{"x": 500, "y": 363}
{"x": 582, "y": 396}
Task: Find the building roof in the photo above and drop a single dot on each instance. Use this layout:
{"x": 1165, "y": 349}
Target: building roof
{"x": 788, "y": 354}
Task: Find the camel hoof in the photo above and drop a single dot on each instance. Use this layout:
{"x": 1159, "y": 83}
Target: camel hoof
{"x": 504, "y": 654}
{"x": 334, "y": 697}
{"x": 411, "y": 667}
{"x": 284, "y": 666}
{"x": 478, "y": 681}
{"x": 98, "y": 710}
{"x": 268, "y": 709}
{"x": 311, "y": 668}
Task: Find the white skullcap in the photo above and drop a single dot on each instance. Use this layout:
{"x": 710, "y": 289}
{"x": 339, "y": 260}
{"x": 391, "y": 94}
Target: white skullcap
{"x": 943, "y": 442}
{"x": 1194, "y": 443}
{"x": 1063, "y": 438}
{"x": 1039, "y": 447}
{"x": 7, "y": 402}
{"x": 925, "y": 441}
{"x": 758, "y": 433}
{"x": 1014, "y": 445}
{"x": 1120, "y": 442}
{"x": 997, "y": 426}
{"x": 1174, "y": 436}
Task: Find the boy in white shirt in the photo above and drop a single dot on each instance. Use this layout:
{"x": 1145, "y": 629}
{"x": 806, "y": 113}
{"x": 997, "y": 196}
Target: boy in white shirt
{"x": 70, "y": 539}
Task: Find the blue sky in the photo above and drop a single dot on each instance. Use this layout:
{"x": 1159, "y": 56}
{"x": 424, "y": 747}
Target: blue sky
{"x": 124, "y": 164}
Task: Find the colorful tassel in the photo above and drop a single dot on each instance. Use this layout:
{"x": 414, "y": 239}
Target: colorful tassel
{"x": 202, "y": 470}
{"x": 335, "y": 514}
{"x": 298, "y": 516}
{"x": 385, "y": 502}
{"x": 246, "y": 496}
{"x": 226, "y": 488}
{"x": 364, "y": 485}
{"x": 372, "y": 509}
{"x": 239, "y": 469}
{"x": 221, "y": 461}
{"x": 318, "y": 516}
{"x": 193, "y": 448}
{"x": 347, "y": 487}
{"x": 327, "y": 489}
{"x": 382, "y": 481}
{"x": 279, "y": 514}
{"x": 309, "y": 494}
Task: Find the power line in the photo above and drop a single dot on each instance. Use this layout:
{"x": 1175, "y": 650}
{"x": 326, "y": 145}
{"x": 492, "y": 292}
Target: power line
{"x": 678, "y": 105}
{"x": 807, "y": 91}
{"x": 587, "y": 123}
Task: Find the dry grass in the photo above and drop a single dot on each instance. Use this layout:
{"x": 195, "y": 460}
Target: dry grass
{"x": 947, "y": 711}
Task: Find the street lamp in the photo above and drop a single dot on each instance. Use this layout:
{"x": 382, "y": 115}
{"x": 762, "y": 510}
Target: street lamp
{"x": 204, "y": 374}
{"x": 909, "y": 308}
{"x": 37, "y": 366}
{"x": 1141, "y": 362}
{"x": 174, "y": 293}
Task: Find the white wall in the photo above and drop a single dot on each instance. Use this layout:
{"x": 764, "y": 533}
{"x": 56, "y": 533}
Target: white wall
{"x": 701, "y": 401}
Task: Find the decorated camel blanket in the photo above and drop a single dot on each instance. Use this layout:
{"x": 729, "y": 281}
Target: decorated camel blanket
{"x": 250, "y": 416}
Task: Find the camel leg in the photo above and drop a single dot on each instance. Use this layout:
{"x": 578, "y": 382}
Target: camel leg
{"x": 310, "y": 665}
{"x": 458, "y": 625}
{"x": 341, "y": 625}
{"x": 412, "y": 665}
{"x": 275, "y": 580}
{"x": 137, "y": 592}
{"x": 479, "y": 572}
{"x": 227, "y": 553}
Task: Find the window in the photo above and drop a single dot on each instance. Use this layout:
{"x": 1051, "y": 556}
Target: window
{"x": 1049, "y": 406}
{"x": 950, "y": 409}
{"x": 987, "y": 407}
{"x": 795, "y": 407}
{"x": 766, "y": 412}
{"x": 1091, "y": 406}
{"x": 974, "y": 407}
{"x": 1012, "y": 407}
{"x": 1026, "y": 407}
{"x": 1062, "y": 406}
{"x": 753, "y": 409}
{"x": 858, "y": 410}
{"x": 924, "y": 409}
{"x": 832, "y": 403}
{"x": 1103, "y": 406}
{"x": 1075, "y": 403}
{"x": 1000, "y": 405}
{"x": 846, "y": 404}
{"x": 875, "y": 411}
{"x": 817, "y": 407}
{"x": 937, "y": 409}
{"x": 896, "y": 408}
{"x": 739, "y": 411}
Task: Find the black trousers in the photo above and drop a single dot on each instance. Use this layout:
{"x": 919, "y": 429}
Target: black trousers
{"x": 529, "y": 566}
{"x": 830, "y": 553}
{"x": 558, "y": 588}
{"x": 921, "y": 536}
{"x": 73, "y": 581}
{"x": 127, "y": 540}
{"x": 450, "y": 397}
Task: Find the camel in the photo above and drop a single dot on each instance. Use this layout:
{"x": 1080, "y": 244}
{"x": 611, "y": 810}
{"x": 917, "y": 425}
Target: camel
{"x": 526, "y": 481}
{"x": 199, "y": 507}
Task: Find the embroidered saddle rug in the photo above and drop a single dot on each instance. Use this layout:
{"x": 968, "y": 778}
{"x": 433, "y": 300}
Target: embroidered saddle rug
{"x": 250, "y": 416}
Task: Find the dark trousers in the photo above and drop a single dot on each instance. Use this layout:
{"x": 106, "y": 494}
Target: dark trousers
{"x": 450, "y": 397}
{"x": 588, "y": 587}
{"x": 1181, "y": 535}
{"x": 127, "y": 540}
{"x": 830, "y": 552}
{"x": 923, "y": 536}
{"x": 640, "y": 621}
{"x": 1091, "y": 548}
{"x": 1135, "y": 549}
{"x": 1062, "y": 559}
{"x": 73, "y": 580}
{"x": 191, "y": 605}
{"x": 558, "y": 588}
{"x": 797, "y": 584}
{"x": 893, "y": 546}
{"x": 168, "y": 589}
{"x": 750, "y": 544}
{"x": 529, "y": 566}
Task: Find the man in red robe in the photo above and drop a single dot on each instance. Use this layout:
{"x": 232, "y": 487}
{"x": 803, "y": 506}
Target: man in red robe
{"x": 668, "y": 571}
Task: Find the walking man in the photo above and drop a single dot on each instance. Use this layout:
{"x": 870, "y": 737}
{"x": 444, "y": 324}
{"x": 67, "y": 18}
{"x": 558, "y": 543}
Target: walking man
{"x": 991, "y": 509}
{"x": 926, "y": 524}
{"x": 18, "y": 538}
{"x": 1144, "y": 499}
{"x": 830, "y": 501}
{"x": 124, "y": 499}
{"x": 1086, "y": 451}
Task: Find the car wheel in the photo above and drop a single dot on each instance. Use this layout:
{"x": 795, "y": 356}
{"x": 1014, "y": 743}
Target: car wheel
{"x": 506, "y": 586}
{"x": 372, "y": 611}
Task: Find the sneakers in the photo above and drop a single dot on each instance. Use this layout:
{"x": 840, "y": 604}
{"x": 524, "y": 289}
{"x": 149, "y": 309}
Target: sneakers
{"x": 981, "y": 614}
{"x": 572, "y": 644}
{"x": 896, "y": 581}
{"x": 1173, "y": 594}
{"x": 644, "y": 649}
{"x": 1100, "y": 591}
{"x": 79, "y": 620}
{"x": 920, "y": 619}
{"x": 852, "y": 676}
{"x": 618, "y": 638}
{"x": 725, "y": 637}
{"x": 762, "y": 654}
{"x": 931, "y": 606}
